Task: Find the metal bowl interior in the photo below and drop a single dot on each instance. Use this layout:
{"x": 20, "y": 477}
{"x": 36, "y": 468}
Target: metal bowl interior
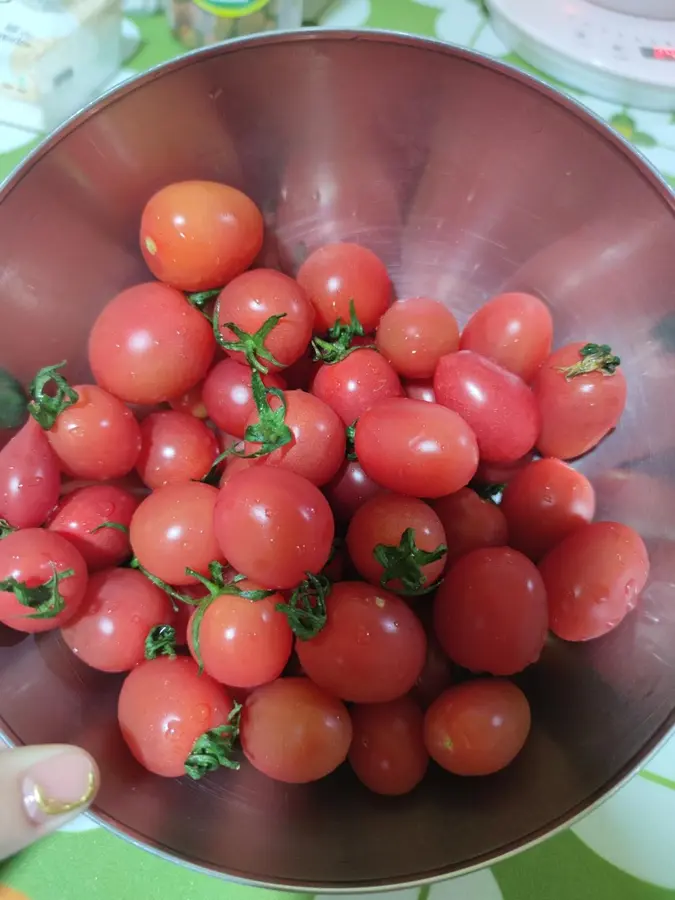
{"x": 468, "y": 179}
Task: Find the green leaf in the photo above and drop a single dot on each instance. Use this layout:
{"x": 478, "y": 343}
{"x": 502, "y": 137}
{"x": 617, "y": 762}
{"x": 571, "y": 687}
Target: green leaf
{"x": 404, "y": 563}
{"x": 252, "y": 346}
{"x": 213, "y": 749}
{"x": 45, "y": 408}
{"x": 161, "y": 641}
{"x": 44, "y": 599}
{"x": 306, "y": 608}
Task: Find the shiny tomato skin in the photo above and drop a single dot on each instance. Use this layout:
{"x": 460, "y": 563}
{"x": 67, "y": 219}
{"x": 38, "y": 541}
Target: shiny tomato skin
{"x": 470, "y": 522}
{"x": 514, "y": 330}
{"x": 416, "y": 448}
{"x": 148, "y": 345}
{"x": 387, "y": 751}
{"x": 243, "y": 643}
{"x": 543, "y": 503}
{"x": 436, "y": 675}
{"x": 420, "y": 390}
{"x": 349, "y": 490}
{"x": 31, "y": 556}
{"x": 490, "y": 612}
{"x": 371, "y": 649}
{"x": 30, "y": 477}
{"x": 228, "y": 396}
{"x": 478, "y": 727}
{"x": 414, "y": 334}
{"x": 336, "y": 275}
{"x": 273, "y": 526}
{"x": 163, "y": 707}
{"x": 252, "y": 298}
{"x": 172, "y": 530}
{"x": 382, "y": 520}
{"x": 576, "y": 414}
{"x": 292, "y": 731}
{"x": 594, "y": 579}
{"x": 318, "y": 447}
{"x": 175, "y": 447}
{"x": 356, "y": 383}
{"x": 83, "y": 516}
{"x": 119, "y": 608}
{"x": 498, "y": 405}
{"x": 198, "y": 235}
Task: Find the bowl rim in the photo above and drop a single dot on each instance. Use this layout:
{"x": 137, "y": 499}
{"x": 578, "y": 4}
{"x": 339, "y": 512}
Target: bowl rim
{"x": 657, "y": 182}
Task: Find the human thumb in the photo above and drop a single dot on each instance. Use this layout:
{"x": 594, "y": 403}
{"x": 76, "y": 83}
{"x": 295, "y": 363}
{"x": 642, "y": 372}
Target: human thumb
{"x": 42, "y": 788}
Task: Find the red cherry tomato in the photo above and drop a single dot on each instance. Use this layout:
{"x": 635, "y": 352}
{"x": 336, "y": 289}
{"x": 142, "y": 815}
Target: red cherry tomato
{"x": 382, "y": 520}
{"x": 317, "y": 449}
{"x": 197, "y": 235}
{"x": 337, "y": 275}
{"x": 577, "y": 411}
{"x": 498, "y": 405}
{"x": 387, "y": 751}
{"x": 173, "y": 530}
{"x": 477, "y": 728}
{"x": 501, "y": 473}
{"x": 370, "y": 650}
{"x": 273, "y": 526}
{"x": 490, "y": 612}
{"x": 164, "y": 706}
{"x": 435, "y": 677}
{"x": 149, "y": 345}
{"x": 470, "y": 522}
{"x": 228, "y": 396}
{"x": 119, "y": 609}
{"x": 416, "y": 448}
{"x": 293, "y": 731}
{"x": 414, "y": 334}
{"x": 33, "y": 557}
{"x": 30, "y": 478}
{"x": 514, "y": 330}
{"x": 543, "y": 503}
{"x": 594, "y": 579}
{"x": 301, "y": 374}
{"x": 349, "y": 490}
{"x": 175, "y": 447}
{"x": 420, "y": 390}
{"x": 242, "y": 643}
{"x": 356, "y": 383}
{"x": 251, "y": 299}
{"x": 191, "y": 402}
{"x": 96, "y": 520}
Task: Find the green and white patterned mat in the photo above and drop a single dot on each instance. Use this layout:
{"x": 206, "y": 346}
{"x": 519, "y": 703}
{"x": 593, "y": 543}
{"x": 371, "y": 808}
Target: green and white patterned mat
{"x": 623, "y": 851}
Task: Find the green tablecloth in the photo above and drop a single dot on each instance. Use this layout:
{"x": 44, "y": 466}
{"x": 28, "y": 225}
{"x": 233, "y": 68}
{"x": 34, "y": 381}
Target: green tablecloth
{"x": 623, "y": 851}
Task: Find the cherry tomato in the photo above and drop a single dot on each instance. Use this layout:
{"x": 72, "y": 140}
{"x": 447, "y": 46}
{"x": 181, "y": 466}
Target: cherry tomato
{"x": 236, "y": 464}
{"x": 490, "y": 612}
{"x": 435, "y": 677}
{"x": 416, "y": 448}
{"x": 577, "y": 411}
{"x": 173, "y": 530}
{"x": 337, "y": 275}
{"x": 349, "y": 490}
{"x": 96, "y": 520}
{"x": 191, "y": 402}
{"x": 414, "y": 334}
{"x": 30, "y": 478}
{"x": 317, "y": 449}
{"x": 594, "y": 579}
{"x": 119, "y": 608}
{"x": 273, "y": 526}
{"x": 164, "y": 706}
{"x": 470, "y": 522}
{"x": 514, "y": 330}
{"x": 197, "y": 235}
{"x": 382, "y": 520}
{"x": 301, "y": 374}
{"x": 293, "y": 731}
{"x": 498, "y": 405}
{"x": 148, "y": 345}
{"x": 242, "y": 643}
{"x": 370, "y": 650}
{"x": 356, "y": 383}
{"x": 32, "y": 558}
{"x": 175, "y": 447}
{"x": 501, "y": 473}
{"x": 97, "y": 438}
{"x": 543, "y": 503}
{"x": 420, "y": 390}
{"x": 387, "y": 751}
{"x": 477, "y": 728}
{"x": 228, "y": 396}
{"x": 251, "y": 299}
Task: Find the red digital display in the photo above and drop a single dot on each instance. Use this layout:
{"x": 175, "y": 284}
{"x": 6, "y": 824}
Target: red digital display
{"x": 659, "y": 52}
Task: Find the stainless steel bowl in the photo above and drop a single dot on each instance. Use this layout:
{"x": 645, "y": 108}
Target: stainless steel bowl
{"x": 468, "y": 178}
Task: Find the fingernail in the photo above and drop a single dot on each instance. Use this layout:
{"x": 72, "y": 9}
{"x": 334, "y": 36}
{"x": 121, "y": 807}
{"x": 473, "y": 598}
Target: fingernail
{"x": 58, "y": 785}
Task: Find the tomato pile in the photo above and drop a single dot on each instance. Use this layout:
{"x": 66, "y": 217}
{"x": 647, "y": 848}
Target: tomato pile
{"x": 309, "y": 522}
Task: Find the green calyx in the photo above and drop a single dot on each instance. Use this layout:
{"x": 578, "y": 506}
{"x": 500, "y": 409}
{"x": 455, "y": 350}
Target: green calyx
{"x": 491, "y": 492}
{"x": 306, "y": 607}
{"x": 161, "y": 641}
{"x": 350, "y": 432}
{"x": 213, "y": 749}
{"x": 593, "y": 358}
{"x": 338, "y": 343}
{"x": 6, "y": 528}
{"x": 46, "y": 408}
{"x": 44, "y": 599}
{"x": 404, "y": 563}
{"x": 201, "y": 299}
{"x": 252, "y": 346}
